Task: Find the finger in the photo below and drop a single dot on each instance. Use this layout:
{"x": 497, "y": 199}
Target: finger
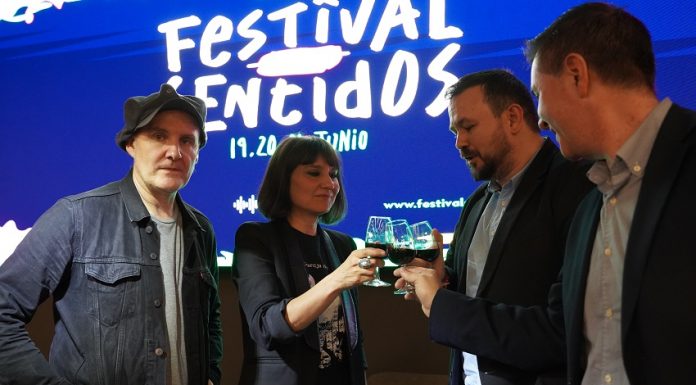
{"x": 411, "y": 296}
{"x": 420, "y": 263}
{"x": 400, "y": 283}
{"x": 372, "y": 251}
{"x": 411, "y": 272}
{"x": 397, "y": 272}
{"x": 437, "y": 236}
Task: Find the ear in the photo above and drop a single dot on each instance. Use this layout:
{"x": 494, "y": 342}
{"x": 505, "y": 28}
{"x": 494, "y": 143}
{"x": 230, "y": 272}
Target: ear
{"x": 575, "y": 66}
{"x": 129, "y": 148}
{"x": 513, "y": 118}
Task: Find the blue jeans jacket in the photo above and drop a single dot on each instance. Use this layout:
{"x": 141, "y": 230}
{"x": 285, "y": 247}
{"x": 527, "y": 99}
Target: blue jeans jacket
{"x": 97, "y": 254}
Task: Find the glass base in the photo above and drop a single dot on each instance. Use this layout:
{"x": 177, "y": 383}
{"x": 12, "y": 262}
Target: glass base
{"x": 403, "y": 291}
{"x": 376, "y": 283}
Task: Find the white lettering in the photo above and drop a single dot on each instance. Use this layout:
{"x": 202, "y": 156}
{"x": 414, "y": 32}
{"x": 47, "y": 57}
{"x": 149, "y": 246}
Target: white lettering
{"x": 202, "y": 85}
{"x": 248, "y": 102}
{"x": 437, "y": 72}
{"x": 400, "y": 60}
{"x": 362, "y": 140}
{"x": 361, "y": 88}
{"x": 397, "y": 12}
{"x": 219, "y": 29}
{"x": 353, "y": 31}
{"x": 289, "y": 14}
{"x": 321, "y": 34}
{"x": 436, "y": 22}
{"x": 319, "y": 105}
{"x": 258, "y": 38}
{"x": 175, "y": 45}
{"x": 281, "y": 90}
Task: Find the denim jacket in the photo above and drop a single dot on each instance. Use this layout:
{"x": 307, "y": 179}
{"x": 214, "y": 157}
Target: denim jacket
{"x": 97, "y": 254}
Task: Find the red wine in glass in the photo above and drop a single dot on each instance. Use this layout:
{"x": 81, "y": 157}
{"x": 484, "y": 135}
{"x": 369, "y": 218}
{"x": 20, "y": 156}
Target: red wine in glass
{"x": 428, "y": 254}
{"x": 400, "y": 256}
{"x": 381, "y": 246}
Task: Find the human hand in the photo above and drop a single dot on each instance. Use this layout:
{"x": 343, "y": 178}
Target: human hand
{"x": 439, "y": 264}
{"x": 425, "y": 281}
{"x": 359, "y": 267}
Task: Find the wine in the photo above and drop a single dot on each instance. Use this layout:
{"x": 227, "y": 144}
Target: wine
{"x": 400, "y": 256}
{"x": 382, "y": 246}
{"x": 428, "y": 254}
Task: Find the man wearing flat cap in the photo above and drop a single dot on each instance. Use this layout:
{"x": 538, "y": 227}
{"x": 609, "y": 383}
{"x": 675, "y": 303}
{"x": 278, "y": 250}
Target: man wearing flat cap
{"x": 131, "y": 267}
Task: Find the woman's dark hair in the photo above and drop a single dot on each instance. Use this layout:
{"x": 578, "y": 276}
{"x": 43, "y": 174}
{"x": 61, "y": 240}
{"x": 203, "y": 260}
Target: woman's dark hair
{"x": 274, "y": 194}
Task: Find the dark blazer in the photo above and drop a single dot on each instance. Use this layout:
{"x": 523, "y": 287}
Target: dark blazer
{"x": 269, "y": 271}
{"x": 658, "y": 329}
{"x": 658, "y": 322}
{"x": 526, "y": 253}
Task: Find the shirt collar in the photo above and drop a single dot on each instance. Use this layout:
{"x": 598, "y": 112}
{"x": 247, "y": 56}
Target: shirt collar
{"x": 511, "y": 185}
{"x": 136, "y": 208}
{"x": 633, "y": 155}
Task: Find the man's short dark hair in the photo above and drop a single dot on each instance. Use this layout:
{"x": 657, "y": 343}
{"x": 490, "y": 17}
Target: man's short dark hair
{"x": 616, "y": 45}
{"x": 274, "y": 194}
{"x": 500, "y": 89}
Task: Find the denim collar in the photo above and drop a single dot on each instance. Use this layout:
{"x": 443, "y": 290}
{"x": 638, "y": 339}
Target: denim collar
{"x": 136, "y": 208}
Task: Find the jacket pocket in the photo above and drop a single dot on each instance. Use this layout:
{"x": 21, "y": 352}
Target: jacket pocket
{"x": 108, "y": 274}
{"x": 112, "y": 287}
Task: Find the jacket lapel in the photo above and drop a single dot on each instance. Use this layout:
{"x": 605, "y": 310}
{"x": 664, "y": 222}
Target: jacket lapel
{"x": 530, "y": 180}
{"x": 299, "y": 277}
{"x": 660, "y": 173}
{"x": 346, "y": 298}
{"x": 479, "y": 198}
{"x": 576, "y": 265}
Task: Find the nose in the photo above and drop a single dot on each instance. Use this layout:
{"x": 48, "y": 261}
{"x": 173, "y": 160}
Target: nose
{"x": 544, "y": 125}
{"x": 329, "y": 183}
{"x": 460, "y": 140}
{"x": 174, "y": 152}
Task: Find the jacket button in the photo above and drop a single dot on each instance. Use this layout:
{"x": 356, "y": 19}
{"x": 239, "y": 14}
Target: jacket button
{"x": 148, "y": 229}
{"x": 157, "y": 303}
{"x": 159, "y": 352}
{"x": 153, "y": 256}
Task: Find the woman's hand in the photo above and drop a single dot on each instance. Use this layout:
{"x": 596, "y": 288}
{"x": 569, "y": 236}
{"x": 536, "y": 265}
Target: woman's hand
{"x": 359, "y": 267}
{"x": 305, "y": 309}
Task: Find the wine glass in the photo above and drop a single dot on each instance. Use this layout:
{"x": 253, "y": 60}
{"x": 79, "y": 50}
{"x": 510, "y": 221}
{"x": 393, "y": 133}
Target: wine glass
{"x": 402, "y": 249}
{"x": 378, "y": 235}
{"x": 423, "y": 241}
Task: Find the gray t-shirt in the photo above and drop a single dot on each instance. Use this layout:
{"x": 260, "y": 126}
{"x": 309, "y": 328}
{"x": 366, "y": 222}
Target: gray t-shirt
{"x": 172, "y": 261}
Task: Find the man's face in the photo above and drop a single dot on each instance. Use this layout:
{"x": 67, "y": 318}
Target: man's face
{"x": 480, "y": 135}
{"x": 558, "y": 110}
{"x": 165, "y": 153}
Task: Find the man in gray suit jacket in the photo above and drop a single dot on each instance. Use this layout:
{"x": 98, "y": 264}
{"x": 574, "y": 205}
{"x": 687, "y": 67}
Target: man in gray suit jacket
{"x": 624, "y": 307}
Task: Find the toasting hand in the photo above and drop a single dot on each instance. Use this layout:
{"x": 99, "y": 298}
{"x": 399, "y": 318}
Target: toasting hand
{"x": 427, "y": 277}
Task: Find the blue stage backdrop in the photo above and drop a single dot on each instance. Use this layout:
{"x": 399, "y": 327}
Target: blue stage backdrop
{"x": 368, "y": 76}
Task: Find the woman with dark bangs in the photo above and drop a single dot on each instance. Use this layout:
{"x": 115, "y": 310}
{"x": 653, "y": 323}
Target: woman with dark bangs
{"x": 296, "y": 280}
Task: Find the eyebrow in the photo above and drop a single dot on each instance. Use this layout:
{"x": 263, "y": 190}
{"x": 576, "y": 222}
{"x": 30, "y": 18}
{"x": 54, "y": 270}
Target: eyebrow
{"x": 463, "y": 121}
{"x": 317, "y": 166}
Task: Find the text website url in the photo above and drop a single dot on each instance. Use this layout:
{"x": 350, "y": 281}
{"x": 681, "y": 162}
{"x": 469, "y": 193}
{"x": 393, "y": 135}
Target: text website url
{"x": 425, "y": 204}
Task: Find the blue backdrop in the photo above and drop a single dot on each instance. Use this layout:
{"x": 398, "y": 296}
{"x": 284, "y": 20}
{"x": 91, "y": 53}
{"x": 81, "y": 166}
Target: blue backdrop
{"x": 368, "y": 76}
